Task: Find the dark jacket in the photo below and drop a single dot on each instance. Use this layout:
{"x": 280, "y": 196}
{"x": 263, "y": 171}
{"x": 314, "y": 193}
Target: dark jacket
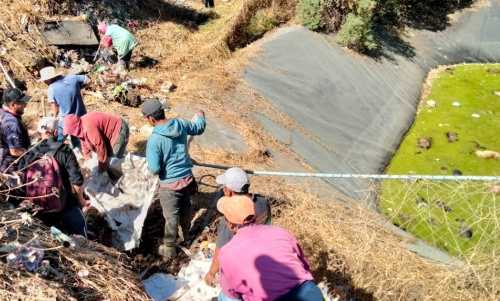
{"x": 68, "y": 164}
{"x": 13, "y": 134}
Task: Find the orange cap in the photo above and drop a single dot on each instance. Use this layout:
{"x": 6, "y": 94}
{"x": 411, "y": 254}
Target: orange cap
{"x": 236, "y": 208}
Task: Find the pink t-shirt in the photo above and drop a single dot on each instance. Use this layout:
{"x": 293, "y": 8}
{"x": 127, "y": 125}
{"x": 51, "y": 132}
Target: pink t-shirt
{"x": 262, "y": 262}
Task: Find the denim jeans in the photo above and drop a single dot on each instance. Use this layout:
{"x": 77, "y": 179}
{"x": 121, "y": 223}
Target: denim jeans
{"x": 75, "y": 142}
{"x": 70, "y": 220}
{"x": 177, "y": 210}
{"x": 307, "y": 291}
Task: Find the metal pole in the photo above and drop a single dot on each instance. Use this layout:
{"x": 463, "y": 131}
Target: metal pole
{"x": 359, "y": 176}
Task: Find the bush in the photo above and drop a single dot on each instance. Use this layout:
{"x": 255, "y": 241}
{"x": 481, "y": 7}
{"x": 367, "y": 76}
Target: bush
{"x": 263, "y": 21}
{"x": 356, "y": 33}
{"x": 310, "y": 12}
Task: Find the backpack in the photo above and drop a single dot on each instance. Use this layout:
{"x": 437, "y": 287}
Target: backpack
{"x": 44, "y": 185}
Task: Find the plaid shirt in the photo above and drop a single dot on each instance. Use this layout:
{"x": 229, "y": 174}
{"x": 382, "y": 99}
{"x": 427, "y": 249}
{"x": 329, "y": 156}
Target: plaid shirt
{"x": 13, "y": 134}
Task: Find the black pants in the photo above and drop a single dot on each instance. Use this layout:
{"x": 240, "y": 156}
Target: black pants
{"x": 209, "y": 3}
{"x": 125, "y": 60}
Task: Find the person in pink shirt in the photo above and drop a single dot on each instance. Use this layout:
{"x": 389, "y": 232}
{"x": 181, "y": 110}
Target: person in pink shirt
{"x": 103, "y": 133}
{"x": 261, "y": 262}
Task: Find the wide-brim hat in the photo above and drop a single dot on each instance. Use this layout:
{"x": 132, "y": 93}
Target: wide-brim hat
{"x": 48, "y": 73}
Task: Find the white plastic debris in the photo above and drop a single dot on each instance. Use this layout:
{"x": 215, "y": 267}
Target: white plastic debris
{"x": 475, "y": 115}
{"x": 83, "y": 273}
{"x": 125, "y": 203}
{"x": 187, "y": 286}
{"x": 431, "y": 103}
{"x": 160, "y": 287}
{"x": 456, "y": 104}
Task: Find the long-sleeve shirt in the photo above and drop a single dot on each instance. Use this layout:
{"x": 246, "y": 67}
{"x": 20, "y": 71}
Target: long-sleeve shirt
{"x": 100, "y": 131}
{"x": 166, "y": 151}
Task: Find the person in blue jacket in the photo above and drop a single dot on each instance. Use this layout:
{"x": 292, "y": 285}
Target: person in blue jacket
{"x": 167, "y": 156}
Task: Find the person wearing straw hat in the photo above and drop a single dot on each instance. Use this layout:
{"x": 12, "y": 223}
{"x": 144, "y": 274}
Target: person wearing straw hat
{"x": 167, "y": 156}
{"x": 14, "y": 138}
{"x": 70, "y": 218}
{"x": 235, "y": 181}
{"x": 261, "y": 262}
{"x": 120, "y": 39}
{"x": 64, "y": 95}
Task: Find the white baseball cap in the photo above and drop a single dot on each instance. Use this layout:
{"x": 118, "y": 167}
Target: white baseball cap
{"x": 234, "y": 178}
{"x": 47, "y": 124}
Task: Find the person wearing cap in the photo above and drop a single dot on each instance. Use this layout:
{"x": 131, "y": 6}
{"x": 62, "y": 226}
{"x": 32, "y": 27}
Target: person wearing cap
{"x": 64, "y": 95}
{"x": 120, "y": 39}
{"x": 70, "y": 220}
{"x": 167, "y": 156}
{"x": 234, "y": 181}
{"x": 103, "y": 133}
{"x": 261, "y": 262}
{"x": 14, "y": 140}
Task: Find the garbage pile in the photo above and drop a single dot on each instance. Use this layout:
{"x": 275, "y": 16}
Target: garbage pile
{"x": 66, "y": 267}
{"x": 124, "y": 203}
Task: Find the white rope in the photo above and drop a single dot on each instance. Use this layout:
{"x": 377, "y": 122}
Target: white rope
{"x": 359, "y": 176}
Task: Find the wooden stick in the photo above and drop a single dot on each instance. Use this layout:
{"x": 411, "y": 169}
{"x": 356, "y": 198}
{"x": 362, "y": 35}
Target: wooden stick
{"x": 7, "y": 76}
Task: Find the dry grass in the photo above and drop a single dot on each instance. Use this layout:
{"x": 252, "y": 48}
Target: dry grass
{"x": 347, "y": 245}
{"x": 349, "y": 248}
{"x": 109, "y": 274}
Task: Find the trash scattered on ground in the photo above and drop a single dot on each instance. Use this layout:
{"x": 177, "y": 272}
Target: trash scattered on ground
{"x": 424, "y": 143}
{"x": 27, "y": 257}
{"x": 126, "y": 202}
{"x": 58, "y": 235}
{"x": 189, "y": 284}
{"x": 452, "y": 136}
{"x": 497, "y": 93}
{"x": 456, "y": 104}
{"x": 160, "y": 286}
{"x": 168, "y": 87}
{"x": 431, "y": 103}
{"x": 83, "y": 273}
{"x": 457, "y": 172}
{"x": 475, "y": 115}
{"x": 487, "y": 154}
{"x": 80, "y": 68}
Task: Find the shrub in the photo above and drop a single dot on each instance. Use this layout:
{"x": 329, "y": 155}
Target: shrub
{"x": 356, "y": 33}
{"x": 310, "y": 12}
{"x": 263, "y": 21}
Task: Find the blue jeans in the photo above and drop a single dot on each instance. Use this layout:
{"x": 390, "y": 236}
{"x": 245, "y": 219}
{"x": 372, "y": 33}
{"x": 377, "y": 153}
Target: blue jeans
{"x": 71, "y": 220}
{"x": 307, "y": 291}
{"x": 75, "y": 142}
{"x": 223, "y": 297}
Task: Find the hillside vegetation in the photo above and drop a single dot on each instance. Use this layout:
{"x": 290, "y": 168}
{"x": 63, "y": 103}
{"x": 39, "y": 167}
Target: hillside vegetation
{"x": 358, "y": 21}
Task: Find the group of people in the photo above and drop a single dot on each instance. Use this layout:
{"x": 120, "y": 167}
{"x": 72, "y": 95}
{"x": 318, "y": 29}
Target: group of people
{"x": 253, "y": 260}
